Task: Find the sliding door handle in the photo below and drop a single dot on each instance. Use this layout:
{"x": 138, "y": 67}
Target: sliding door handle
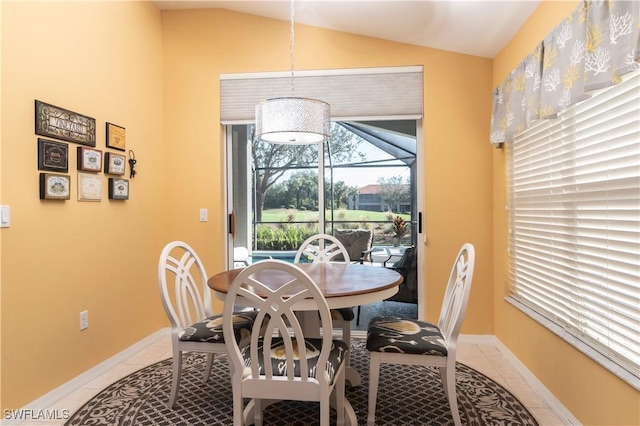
{"x": 232, "y": 224}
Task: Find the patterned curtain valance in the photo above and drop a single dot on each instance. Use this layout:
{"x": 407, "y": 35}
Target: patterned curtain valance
{"x": 591, "y": 49}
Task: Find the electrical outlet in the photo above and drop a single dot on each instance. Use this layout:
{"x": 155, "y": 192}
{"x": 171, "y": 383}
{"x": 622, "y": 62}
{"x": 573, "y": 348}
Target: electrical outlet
{"x": 84, "y": 320}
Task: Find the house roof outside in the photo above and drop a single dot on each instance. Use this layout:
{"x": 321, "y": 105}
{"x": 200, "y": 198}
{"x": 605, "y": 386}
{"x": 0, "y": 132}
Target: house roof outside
{"x": 370, "y": 189}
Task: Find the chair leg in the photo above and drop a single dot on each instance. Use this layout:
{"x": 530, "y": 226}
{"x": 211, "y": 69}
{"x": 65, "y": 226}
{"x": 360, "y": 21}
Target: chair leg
{"x": 207, "y": 367}
{"x": 340, "y": 395}
{"x": 325, "y": 407}
{"x": 443, "y": 377}
{"x": 450, "y": 389}
{"x": 257, "y": 413}
{"x": 374, "y": 376}
{"x": 346, "y": 337}
{"x": 238, "y": 407}
{"x": 358, "y": 316}
{"x": 175, "y": 380}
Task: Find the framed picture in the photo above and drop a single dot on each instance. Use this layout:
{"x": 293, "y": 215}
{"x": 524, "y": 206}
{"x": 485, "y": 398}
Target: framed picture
{"x": 118, "y": 189}
{"x": 55, "y": 187}
{"x": 63, "y": 124}
{"x": 89, "y": 187}
{"x": 116, "y": 137}
{"x": 114, "y": 163}
{"x": 89, "y": 160}
{"x": 53, "y": 156}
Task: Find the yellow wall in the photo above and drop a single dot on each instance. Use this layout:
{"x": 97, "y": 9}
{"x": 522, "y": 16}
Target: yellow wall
{"x": 592, "y": 394}
{"x": 157, "y": 74}
{"x": 103, "y": 60}
{"x": 202, "y": 44}
{"x": 159, "y": 78}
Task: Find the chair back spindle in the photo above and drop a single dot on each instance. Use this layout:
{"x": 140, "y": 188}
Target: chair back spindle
{"x": 188, "y": 279}
{"x": 457, "y": 293}
{"x": 322, "y": 248}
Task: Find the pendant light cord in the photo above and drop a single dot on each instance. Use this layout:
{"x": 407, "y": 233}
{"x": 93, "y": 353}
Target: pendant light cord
{"x": 292, "y": 47}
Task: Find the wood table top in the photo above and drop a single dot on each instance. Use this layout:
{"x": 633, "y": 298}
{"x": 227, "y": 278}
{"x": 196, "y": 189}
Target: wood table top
{"x": 333, "y": 279}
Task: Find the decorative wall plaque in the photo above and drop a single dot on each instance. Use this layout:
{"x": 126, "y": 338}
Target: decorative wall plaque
{"x": 53, "y": 156}
{"x": 116, "y": 137}
{"x": 55, "y": 187}
{"x": 89, "y": 187}
{"x": 89, "y": 160}
{"x": 114, "y": 163}
{"x": 63, "y": 124}
{"x": 118, "y": 189}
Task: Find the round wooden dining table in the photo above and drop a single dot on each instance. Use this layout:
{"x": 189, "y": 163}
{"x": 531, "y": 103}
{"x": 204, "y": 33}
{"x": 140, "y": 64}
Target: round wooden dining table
{"x": 342, "y": 284}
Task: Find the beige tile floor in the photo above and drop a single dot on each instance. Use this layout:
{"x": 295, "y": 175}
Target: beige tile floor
{"x": 484, "y": 357}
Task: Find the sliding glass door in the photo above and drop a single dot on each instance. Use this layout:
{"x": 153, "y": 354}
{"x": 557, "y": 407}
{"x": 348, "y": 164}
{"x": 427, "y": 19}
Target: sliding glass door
{"x": 367, "y": 177}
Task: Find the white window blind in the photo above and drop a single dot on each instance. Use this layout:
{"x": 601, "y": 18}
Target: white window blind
{"x": 574, "y": 238}
{"x": 389, "y": 92}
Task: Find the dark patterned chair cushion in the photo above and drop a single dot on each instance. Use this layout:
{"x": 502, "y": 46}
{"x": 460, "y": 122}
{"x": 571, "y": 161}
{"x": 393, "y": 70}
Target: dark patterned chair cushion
{"x": 210, "y": 329}
{"x": 409, "y": 336}
{"x": 278, "y": 354}
{"x": 407, "y": 266}
{"x": 342, "y": 314}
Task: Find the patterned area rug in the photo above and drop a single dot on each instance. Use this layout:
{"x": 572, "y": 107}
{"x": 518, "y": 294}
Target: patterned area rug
{"x": 407, "y": 395}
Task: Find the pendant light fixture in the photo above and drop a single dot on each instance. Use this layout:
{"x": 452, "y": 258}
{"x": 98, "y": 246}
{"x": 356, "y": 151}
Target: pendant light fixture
{"x": 293, "y": 120}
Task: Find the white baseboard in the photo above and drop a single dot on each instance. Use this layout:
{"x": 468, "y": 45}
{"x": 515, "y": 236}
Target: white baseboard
{"x": 550, "y": 400}
{"x": 475, "y": 339}
{"x": 49, "y": 399}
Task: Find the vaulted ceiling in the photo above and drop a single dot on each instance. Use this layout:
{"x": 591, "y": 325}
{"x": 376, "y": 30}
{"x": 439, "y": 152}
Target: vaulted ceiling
{"x": 474, "y": 27}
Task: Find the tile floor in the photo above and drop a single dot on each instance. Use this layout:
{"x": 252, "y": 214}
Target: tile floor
{"x": 484, "y": 357}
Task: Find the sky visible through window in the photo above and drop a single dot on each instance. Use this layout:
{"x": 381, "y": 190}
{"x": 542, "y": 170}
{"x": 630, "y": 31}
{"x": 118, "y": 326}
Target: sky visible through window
{"x": 360, "y": 176}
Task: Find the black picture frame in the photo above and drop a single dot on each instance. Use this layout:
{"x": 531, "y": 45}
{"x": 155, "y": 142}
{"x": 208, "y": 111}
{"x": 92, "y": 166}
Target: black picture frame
{"x": 60, "y": 123}
{"x": 114, "y": 164}
{"x": 53, "y": 156}
{"x": 118, "y": 189}
{"x": 116, "y": 137}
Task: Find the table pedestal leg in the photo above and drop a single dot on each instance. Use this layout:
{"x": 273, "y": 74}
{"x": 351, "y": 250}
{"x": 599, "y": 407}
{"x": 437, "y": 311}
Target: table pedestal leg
{"x": 352, "y": 377}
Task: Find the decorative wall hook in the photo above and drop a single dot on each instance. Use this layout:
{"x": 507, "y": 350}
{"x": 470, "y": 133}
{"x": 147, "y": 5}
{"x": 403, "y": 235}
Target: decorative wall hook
{"x": 132, "y": 163}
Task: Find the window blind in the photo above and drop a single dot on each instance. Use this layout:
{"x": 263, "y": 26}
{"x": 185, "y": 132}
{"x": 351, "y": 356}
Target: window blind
{"x": 382, "y": 93}
{"x": 574, "y": 237}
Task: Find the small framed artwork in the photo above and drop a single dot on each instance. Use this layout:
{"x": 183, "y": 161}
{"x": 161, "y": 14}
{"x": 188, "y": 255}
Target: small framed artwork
{"x": 53, "y": 156}
{"x": 118, "y": 189}
{"x": 89, "y": 160}
{"x": 89, "y": 187}
{"x": 116, "y": 137}
{"x": 114, "y": 163}
{"x": 60, "y": 123}
{"x": 55, "y": 187}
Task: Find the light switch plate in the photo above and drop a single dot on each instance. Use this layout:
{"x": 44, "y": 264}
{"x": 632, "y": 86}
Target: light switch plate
{"x": 4, "y": 216}
{"x": 204, "y": 215}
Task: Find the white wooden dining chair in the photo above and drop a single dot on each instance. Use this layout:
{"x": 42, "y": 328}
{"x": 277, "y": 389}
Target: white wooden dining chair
{"x": 280, "y": 363}
{"x": 395, "y": 340}
{"x": 186, "y": 299}
{"x": 322, "y": 248}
